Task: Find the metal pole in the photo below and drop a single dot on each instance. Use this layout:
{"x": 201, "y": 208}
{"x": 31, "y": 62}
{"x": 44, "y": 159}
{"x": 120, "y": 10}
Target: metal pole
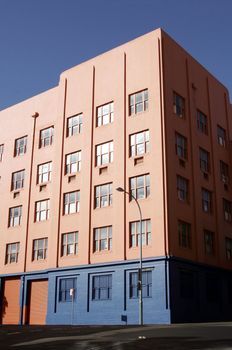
{"x": 140, "y": 272}
{"x": 140, "y": 289}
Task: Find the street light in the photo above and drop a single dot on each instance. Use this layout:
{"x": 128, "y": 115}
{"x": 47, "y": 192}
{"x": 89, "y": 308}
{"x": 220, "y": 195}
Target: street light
{"x": 120, "y": 189}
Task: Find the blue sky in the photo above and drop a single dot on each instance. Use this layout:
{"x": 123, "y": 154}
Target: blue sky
{"x": 41, "y": 38}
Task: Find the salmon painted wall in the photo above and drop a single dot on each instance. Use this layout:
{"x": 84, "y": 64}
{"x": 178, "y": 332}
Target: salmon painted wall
{"x": 112, "y": 76}
{"x": 202, "y": 91}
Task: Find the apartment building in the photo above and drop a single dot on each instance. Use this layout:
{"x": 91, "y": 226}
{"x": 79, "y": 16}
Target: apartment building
{"x": 146, "y": 117}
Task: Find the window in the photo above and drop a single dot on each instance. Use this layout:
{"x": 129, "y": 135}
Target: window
{"x": 138, "y": 102}
{"x": 20, "y": 146}
{"x": 182, "y": 188}
{"x": 17, "y": 180}
{"x": 204, "y": 160}
{"x": 102, "y": 287}
{"x": 73, "y": 163}
{"x": 146, "y": 284}
{"x": 178, "y": 105}
{"x": 227, "y": 209}
{"x": 67, "y": 289}
{"x": 102, "y": 238}
{"x": 202, "y": 123}
{"x": 1, "y": 151}
{"x": 139, "y": 143}
{"x": 105, "y": 114}
{"x": 12, "y": 253}
{"x": 135, "y": 233}
{"x": 209, "y": 242}
{"x": 181, "y": 146}
{"x": 228, "y": 248}
{"x": 104, "y": 153}
{"x": 103, "y": 195}
{"x": 74, "y": 125}
{"x": 69, "y": 244}
{"x": 140, "y": 186}
{"x": 184, "y": 230}
{"x": 221, "y": 136}
{"x": 42, "y": 209}
{"x": 206, "y": 200}
{"x": 46, "y": 137}
{"x": 44, "y": 173}
{"x": 40, "y": 247}
{"x": 72, "y": 202}
{"x": 15, "y": 216}
{"x": 224, "y": 172}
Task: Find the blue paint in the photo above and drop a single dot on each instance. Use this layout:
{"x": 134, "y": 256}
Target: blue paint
{"x": 88, "y": 311}
{"x": 21, "y": 299}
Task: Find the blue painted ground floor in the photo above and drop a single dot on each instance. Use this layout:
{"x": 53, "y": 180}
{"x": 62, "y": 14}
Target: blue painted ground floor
{"x": 173, "y": 291}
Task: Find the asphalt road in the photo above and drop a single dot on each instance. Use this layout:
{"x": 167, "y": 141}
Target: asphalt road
{"x": 208, "y": 336}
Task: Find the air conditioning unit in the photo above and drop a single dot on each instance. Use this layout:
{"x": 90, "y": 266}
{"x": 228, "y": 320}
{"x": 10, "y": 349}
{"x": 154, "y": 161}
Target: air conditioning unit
{"x": 224, "y": 179}
{"x": 227, "y": 216}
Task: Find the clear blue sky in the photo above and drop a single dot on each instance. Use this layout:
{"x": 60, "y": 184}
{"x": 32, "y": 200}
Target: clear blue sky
{"x": 41, "y": 38}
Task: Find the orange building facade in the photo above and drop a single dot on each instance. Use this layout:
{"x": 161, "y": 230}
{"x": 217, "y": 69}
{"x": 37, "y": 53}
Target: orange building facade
{"x": 146, "y": 117}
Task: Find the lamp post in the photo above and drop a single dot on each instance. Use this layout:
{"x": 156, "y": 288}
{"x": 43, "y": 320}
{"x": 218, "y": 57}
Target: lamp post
{"x": 120, "y": 189}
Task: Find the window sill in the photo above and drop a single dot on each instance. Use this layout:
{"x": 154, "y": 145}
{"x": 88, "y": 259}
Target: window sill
{"x": 106, "y": 207}
{"x": 147, "y": 246}
{"x": 139, "y": 113}
{"x": 43, "y": 183}
{"x": 39, "y": 261}
{"x": 20, "y": 155}
{"x": 17, "y": 190}
{"x": 14, "y": 227}
{"x": 68, "y": 257}
{"x": 102, "y": 125}
{"x": 41, "y": 221}
{"x": 10, "y": 264}
{"x": 102, "y": 252}
{"x": 140, "y": 199}
{"x": 68, "y": 214}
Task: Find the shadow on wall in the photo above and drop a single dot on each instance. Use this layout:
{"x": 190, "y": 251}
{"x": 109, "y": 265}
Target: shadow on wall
{"x": 4, "y": 306}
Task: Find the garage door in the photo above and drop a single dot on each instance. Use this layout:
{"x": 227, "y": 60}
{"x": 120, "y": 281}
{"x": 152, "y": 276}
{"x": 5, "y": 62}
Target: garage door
{"x": 38, "y": 296}
{"x": 10, "y": 301}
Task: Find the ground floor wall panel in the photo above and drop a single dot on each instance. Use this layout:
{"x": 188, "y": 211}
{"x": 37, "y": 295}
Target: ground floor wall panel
{"x": 38, "y": 297}
{"x": 10, "y": 305}
{"x": 199, "y": 293}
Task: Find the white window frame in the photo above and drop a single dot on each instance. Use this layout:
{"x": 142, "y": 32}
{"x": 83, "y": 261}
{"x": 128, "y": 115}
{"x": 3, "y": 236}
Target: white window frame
{"x": 44, "y": 140}
{"x": 74, "y": 125}
{"x": 102, "y": 239}
{"x": 42, "y": 210}
{"x": 15, "y": 220}
{"x": 135, "y": 233}
{"x": 104, "y": 156}
{"x": 20, "y": 146}
{"x": 69, "y": 245}
{"x": 138, "y": 102}
{"x": 70, "y": 206}
{"x": 39, "y": 252}
{"x": 139, "y": 143}
{"x": 105, "y": 114}
{"x": 73, "y": 162}
{"x": 44, "y": 173}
